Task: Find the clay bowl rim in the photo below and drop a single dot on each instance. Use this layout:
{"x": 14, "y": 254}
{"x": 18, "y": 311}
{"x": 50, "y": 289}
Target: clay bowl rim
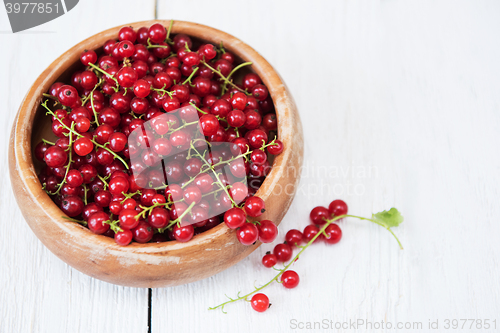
{"x": 23, "y": 127}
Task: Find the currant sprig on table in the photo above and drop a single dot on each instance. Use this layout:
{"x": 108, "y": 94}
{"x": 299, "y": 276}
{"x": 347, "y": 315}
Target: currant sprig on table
{"x": 322, "y": 228}
{"x": 145, "y": 74}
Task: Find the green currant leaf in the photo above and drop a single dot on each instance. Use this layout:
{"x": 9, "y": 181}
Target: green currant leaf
{"x": 391, "y": 218}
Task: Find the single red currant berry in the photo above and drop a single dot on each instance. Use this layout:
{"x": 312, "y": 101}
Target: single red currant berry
{"x": 40, "y": 150}
{"x": 208, "y": 51}
{"x": 260, "y": 302}
{"x": 126, "y": 49}
{"x": 118, "y": 185}
{"x": 143, "y": 232}
{"x": 333, "y": 234}
{"x": 191, "y": 59}
{"x": 309, "y": 232}
{"x": 82, "y": 124}
{"x": 88, "y": 80}
{"x": 290, "y": 279}
{"x": 126, "y": 77}
{"x": 283, "y": 252}
{"x": 68, "y": 95}
{"x": 239, "y": 101}
{"x": 260, "y": 92}
{"x": 250, "y": 80}
{"x": 181, "y": 41}
{"x": 88, "y": 57}
{"x": 270, "y": 122}
{"x": 238, "y": 192}
{"x": 184, "y": 233}
{"x": 319, "y": 215}
{"x": 267, "y": 231}
{"x": 74, "y": 178}
{"x": 192, "y": 194}
{"x": 228, "y": 56}
{"x": 221, "y": 108}
{"x": 209, "y": 124}
{"x": 258, "y": 156}
{"x": 124, "y": 237}
{"x": 72, "y": 205}
{"x": 253, "y": 119}
{"x": 103, "y": 198}
{"x": 293, "y": 237}
{"x": 247, "y": 234}
{"x": 96, "y": 223}
{"x": 83, "y": 146}
{"x": 256, "y": 138}
{"x": 117, "y": 141}
{"x": 55, "y": 157}
{"x": 142, "y": 88}
{"x": 236, "y": 118}
{"x": 128, "y": 219}
{"x": 159, "y": 217}
{"x": 235, "y": 218}
{"x": 276, "y": 148}
{"x": 254, "y": 206}
{"x": 127, "y": 33}
{"x": 269, "y": 260}
{"x": 337, "y": 208}
{"x": 157, "y": 33}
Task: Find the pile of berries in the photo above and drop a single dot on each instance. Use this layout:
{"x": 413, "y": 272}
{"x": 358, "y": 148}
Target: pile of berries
{"x": 184, "y": 90}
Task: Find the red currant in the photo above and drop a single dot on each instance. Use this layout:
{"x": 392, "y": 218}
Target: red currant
{"x": 290, "y": 279}
{"x": 283, "y": 252}
{"x": 269, "y": 260}
{"x": 293, "y": 237}
{"x": 247, "y": 234}
{"x": 337, "y": 208}
{"x": 267, "y": 231}
{"x": 260, "y": 302}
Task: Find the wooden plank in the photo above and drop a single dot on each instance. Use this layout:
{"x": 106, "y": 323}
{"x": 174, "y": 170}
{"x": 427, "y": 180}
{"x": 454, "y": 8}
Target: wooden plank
{"x": 40, "y": 293}
{"x": 409, "y": 92}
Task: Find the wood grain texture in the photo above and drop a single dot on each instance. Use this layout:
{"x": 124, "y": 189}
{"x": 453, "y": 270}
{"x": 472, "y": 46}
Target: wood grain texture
{"x": 39, "y": 292}
{"x": 408, "y": 90}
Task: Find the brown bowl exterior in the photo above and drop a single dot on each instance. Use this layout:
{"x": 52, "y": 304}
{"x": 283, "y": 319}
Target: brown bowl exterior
{"x": 150, "y": 265}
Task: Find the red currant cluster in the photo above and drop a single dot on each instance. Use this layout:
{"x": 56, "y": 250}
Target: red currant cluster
{"x": 322, "y": 227}
{"x": 294, "y": 238}
{"x": 174, "y": 84}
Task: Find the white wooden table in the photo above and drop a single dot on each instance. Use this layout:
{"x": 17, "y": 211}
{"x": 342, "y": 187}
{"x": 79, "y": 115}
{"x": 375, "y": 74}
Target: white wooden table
{"x": 400, "y": 105}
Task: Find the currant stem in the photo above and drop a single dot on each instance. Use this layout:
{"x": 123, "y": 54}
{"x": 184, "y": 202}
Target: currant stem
{"x": 92, "y": 101}
{"x": 48, "y": 142}
{"x": 105, "y": 73}
{"x": 169, "y": 30}
{"x": 169, "y": 93}
{"x": 191, "y": 76}
{"x": 380, "y": 224}
{"x": 224, "y": 78}
{"x": 215, "y": 173}
{"x": 197, "y": 108}
{"x": 70, "y": 160}
{"x": 75, "y": 220}
{"x": 156, "y": 46}
{"x": 224, "y": 86}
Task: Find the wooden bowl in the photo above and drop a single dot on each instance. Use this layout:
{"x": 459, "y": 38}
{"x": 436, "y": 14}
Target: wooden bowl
{"x": 153, "y": 264}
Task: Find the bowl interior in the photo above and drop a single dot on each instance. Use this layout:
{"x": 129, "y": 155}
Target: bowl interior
{"x": 43, "y": 125}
